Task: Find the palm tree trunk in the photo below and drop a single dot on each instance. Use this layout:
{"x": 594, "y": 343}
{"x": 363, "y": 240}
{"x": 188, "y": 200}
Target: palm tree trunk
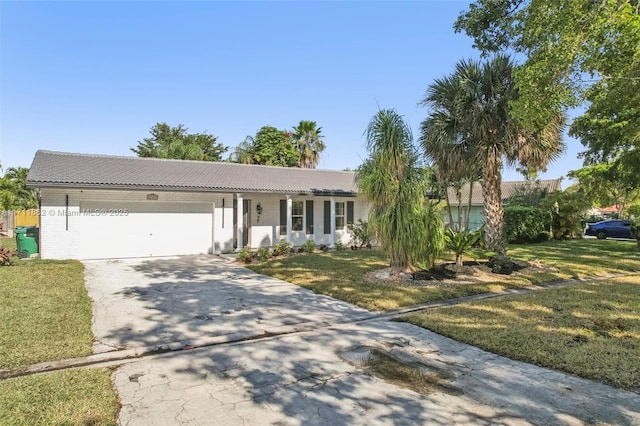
{"x": 446, "y": 195}
{"x": 493, "y": 213}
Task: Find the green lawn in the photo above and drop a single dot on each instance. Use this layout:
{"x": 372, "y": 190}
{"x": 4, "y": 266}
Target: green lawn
{"x": 45, "y": 312}
{"x": 69, "y": 397}
{"x": 591, "y": 329}
{"x": 340, "y": 274}
{"x": 45, "y": 315}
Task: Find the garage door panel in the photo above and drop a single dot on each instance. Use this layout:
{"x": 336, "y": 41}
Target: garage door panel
{"x": 109, "y": 230}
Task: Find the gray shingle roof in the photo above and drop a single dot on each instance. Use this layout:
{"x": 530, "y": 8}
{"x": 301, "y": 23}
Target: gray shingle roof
{"x": 61, "y": 169}
{"x": 508, "y": 189}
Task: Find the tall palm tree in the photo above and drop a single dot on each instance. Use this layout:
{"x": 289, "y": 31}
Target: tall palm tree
{"x": 308, "y": 139}
{"x": 470, "y": 119}
{"x": 407, "y": 225}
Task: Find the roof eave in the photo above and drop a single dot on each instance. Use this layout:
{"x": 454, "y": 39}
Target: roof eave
{"x": 74, "y": 185}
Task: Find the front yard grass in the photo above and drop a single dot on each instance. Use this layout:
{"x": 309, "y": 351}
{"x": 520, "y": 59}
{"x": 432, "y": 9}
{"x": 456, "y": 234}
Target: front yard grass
{"x": 69, "y": 397}
{"x": 45, "y": 312}
{"x": 591, "y": 330}
{"x": 340, "y": 274}
{"x": 45, "y": 315}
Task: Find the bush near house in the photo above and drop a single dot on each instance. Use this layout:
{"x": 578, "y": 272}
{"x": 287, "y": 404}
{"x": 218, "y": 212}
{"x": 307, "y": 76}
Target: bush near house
{"x": 282, "y": 248}
{"x": 245, "y": 255}
{"x": 635, "y": 231}
{"x": 526, "y": 224}
{"x": 360, "y": 234}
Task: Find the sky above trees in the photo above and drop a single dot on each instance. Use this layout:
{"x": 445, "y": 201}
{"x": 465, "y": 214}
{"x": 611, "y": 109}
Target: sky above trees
{"x": 93, "y": 77}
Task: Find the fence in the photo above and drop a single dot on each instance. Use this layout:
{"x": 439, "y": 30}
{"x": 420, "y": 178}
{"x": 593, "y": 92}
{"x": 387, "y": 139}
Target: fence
{"x": 10, "y": 219}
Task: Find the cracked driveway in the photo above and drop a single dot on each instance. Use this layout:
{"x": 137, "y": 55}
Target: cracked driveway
{"x": 143, "y": 302}
{"x": 314, "y": 377}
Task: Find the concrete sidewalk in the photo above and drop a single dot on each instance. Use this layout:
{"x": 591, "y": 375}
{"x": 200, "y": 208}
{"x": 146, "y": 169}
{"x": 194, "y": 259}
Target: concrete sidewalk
{"x": 318, "y": 378}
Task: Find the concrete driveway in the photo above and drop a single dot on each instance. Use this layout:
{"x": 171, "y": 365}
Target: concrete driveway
{"x": 316, "y": 377}
{"x": 147, "y": 302}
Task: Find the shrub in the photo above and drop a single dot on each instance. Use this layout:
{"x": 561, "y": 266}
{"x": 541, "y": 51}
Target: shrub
{"x": 525, "y": 224}
{"x": 340, "y": 246}
{"x": 460, "y": 242}
{"x": 282, "y": 248}
{"x": 635, "y": 231}
{"x": 360, "y": 234}
{"x": 567, "y": 209}
{"x": 245, "y": 255}
{"x": 543, "y": 237}
{"x": 7, "y": 257}
{"x": 309, "y": 246}
{"x": 263, "y": 254}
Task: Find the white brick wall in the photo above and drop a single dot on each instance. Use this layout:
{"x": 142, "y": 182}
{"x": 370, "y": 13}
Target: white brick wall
{"x": 59, "y": 240}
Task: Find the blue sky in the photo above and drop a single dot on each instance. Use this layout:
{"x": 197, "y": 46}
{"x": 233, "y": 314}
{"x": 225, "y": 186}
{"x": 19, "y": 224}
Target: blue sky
{"x": 93, "y": 77}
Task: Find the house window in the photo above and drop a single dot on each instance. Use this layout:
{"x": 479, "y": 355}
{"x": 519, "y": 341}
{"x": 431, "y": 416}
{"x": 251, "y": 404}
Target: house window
{"x": 339, "y": 215}
{"x": 297, "y": 216}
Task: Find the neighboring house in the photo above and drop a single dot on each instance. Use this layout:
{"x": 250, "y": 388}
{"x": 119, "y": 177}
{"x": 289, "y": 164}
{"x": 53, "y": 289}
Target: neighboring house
{"x": 508, "y": 190}
{"x": 608, "y": 212}
{"x": 98, "y": 206}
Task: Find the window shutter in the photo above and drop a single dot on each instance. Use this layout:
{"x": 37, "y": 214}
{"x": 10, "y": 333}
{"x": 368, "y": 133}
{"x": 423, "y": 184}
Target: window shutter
{"x": 349, "y": 212}
{"x": 283, "y": 217}
{"x": 309, "y": 217}
{"x": 327, "y": 217}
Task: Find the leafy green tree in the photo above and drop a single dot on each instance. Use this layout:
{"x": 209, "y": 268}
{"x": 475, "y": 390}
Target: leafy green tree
{"x": 608, "y": 184}
{"x": 567, "y": 208}
{"x": 270, "y": 147}
{"x": 177, "y": 143}
{"x": 406, "y": 224}
{"x": 308, "y": 139}
{"x": 575, "y": 50}
{"x": 470, "y": 122}
{"x": 14, "y": 194}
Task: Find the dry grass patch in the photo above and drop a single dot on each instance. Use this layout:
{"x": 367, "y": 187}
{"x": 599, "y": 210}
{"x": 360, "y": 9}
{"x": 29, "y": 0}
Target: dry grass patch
{"x": 70, "y": 397}
{"x": 590, "y": 330}
{"x": 418, "y": 378}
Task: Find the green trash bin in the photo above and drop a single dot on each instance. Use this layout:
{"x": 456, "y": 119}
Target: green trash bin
{"x": 25, "y": 241}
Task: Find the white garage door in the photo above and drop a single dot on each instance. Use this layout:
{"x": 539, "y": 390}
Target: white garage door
{"x": 111, "y": 230}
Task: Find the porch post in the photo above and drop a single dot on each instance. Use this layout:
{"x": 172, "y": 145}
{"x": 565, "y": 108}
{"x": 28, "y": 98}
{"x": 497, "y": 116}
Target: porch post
{"x": 332, "y": 240}
{"x": 240, "y": 221}
{"x": 289, "y": 220}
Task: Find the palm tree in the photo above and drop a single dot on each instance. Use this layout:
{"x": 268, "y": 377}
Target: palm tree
{"x": 308, "y": 139}
{"x": 407, "y": 225}
{"x": 470, "y": 119}
{"x": 15, "y": 194}
{"x": 243, "y": 153}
